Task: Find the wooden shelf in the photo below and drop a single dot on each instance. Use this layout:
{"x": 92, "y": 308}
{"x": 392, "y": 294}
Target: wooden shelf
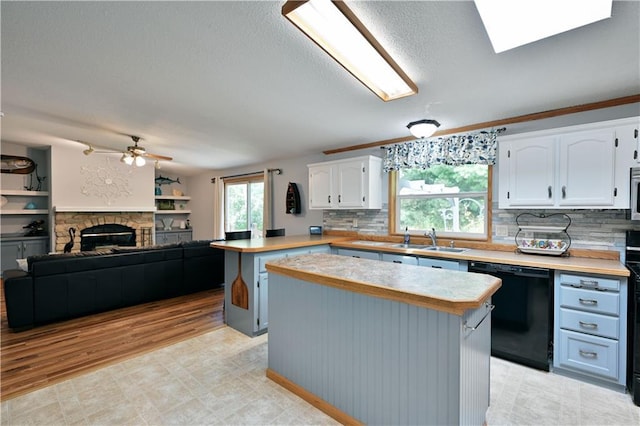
{"x": 24, "y": 193}
{"x": 173, "y": 197}
{"x": 25, "y": 211}
{"x": 173, "y": 211}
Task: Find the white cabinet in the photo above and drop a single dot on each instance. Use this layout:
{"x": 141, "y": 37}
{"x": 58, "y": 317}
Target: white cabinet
{"x": 586, "y": 165}
{"x": 576, "y": 167}
{"x": 354, "y": 183}
{"x": 590, "y": 317}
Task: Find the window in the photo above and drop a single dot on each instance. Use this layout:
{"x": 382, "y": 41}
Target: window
{"x": 244, "y": 200}
{"x": 452, "y": 199}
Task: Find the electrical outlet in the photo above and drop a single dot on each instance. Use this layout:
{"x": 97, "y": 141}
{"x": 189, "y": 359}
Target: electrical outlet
{"x": 355, "y": 223}
{"x": 502, "y": 231}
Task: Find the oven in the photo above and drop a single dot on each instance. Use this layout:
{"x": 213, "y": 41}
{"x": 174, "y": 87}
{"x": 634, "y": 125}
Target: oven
{"x": 632, "y": 256}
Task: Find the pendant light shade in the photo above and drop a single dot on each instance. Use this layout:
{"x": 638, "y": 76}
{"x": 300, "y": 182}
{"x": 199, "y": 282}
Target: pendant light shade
{"x": 423, "y": 128}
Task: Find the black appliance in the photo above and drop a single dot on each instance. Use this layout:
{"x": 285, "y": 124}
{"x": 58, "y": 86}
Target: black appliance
{"x": 522, "y": 321}
{"x": 632, "y": 256}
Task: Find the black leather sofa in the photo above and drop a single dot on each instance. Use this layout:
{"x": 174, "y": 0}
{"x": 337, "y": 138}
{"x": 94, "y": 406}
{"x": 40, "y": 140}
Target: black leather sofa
{"x": 63, "y": 286}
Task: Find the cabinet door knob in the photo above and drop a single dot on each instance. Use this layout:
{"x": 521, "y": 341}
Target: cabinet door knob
{"x": 564, "y": 191}
{"x": 549, "y": 191}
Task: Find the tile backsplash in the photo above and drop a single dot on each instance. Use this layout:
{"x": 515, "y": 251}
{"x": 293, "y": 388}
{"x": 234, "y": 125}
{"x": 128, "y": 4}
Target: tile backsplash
{"x": 590, "y": 229}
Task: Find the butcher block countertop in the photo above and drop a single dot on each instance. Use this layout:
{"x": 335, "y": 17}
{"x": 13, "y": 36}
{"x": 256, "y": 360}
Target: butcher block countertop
{"x": 570, "y": 263}
{"x": 453, "y": 292}
{"x": 257, "y": 245}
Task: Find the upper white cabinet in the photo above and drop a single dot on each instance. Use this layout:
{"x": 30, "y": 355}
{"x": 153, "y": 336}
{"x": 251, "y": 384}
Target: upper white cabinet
{"x": 354, "y": 183}
{"x": 583, "y": 166}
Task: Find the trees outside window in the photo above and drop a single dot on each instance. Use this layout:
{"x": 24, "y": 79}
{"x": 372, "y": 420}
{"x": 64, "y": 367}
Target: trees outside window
{"x": 451, "y": 199}
{"x": 244, "y": 200}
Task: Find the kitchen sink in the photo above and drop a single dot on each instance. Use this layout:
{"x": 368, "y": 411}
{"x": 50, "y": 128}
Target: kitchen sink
{"x": 445, "y": 249}
{"x": 410, "y": 246}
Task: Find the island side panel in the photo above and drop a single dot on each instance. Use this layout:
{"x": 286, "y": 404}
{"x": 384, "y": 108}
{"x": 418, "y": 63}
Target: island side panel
{"x": 379, "y": 361}
{"x": 475, "y": 361}
{"x": 236, "y": 317}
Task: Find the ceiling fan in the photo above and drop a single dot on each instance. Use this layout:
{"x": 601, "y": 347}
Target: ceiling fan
{"x": 134, "y": 154}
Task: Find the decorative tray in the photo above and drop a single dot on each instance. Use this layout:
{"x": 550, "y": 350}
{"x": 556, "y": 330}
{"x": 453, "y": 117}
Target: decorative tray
{"x": 533, "y": 250}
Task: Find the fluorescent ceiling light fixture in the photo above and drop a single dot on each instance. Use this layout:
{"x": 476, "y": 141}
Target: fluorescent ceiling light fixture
{"x": 423, "y": 128}
{"x": 513, "y": 23}
{"x": 334, "y": 27}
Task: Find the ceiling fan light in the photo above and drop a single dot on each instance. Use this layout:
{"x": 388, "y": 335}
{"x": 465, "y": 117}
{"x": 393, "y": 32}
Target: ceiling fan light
{"x": 423, "y": 128}
{"x": 157, "y": 165}
{"x": 140, "y": 161}
{"x": 127, "y": 159}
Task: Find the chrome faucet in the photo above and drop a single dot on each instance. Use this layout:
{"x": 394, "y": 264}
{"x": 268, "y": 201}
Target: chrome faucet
{"x": 432, "y": 235}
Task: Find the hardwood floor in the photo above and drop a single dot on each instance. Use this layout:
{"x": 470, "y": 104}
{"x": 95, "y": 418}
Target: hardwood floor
{"x": 49, "y": 354}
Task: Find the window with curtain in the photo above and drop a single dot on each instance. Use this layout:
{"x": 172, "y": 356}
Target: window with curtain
{"x": 442, "y": 184}
{"x": 244, "y": 201}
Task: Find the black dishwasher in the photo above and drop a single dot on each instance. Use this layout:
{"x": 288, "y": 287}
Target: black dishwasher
{"x": 522, "y": 321}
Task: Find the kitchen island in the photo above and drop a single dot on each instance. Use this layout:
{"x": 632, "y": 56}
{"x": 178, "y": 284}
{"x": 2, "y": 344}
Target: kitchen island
{"x": 381, "y": 343}
{"x": 247, "y": 281}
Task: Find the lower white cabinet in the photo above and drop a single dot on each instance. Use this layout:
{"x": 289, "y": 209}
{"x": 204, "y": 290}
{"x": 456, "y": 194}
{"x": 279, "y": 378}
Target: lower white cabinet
{"x": 590, "y": 316}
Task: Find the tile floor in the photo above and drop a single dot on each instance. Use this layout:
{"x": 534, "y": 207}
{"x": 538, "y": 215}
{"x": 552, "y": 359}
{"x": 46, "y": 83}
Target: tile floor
{"x": 219, "y": 378}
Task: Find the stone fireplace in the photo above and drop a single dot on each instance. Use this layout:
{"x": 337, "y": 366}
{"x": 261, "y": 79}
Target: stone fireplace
{"x": 141, "y": 222}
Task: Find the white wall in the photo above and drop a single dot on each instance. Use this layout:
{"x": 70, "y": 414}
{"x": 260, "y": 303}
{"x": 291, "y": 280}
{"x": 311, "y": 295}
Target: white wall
{"x": 99, "y": 181}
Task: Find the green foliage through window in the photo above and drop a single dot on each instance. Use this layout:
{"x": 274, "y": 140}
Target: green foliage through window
{"x": 451, "y": 199}
{"x": 244, "y": 205}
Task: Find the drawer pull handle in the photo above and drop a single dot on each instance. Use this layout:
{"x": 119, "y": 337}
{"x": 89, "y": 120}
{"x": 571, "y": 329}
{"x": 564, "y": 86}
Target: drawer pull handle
{"x": 588, "y": 301}
{"x": 589, "y": 283}
{"x": 590, "y": 325}
{"x": 588, "y": 354}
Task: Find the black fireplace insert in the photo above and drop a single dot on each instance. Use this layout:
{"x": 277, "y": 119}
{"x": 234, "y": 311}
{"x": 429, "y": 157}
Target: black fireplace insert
{"x": 107, "y": 235}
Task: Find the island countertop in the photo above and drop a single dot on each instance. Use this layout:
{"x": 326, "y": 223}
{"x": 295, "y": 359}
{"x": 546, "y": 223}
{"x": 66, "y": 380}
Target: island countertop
{"x": 448, "y": 291}
{"x": 257, "y": 245}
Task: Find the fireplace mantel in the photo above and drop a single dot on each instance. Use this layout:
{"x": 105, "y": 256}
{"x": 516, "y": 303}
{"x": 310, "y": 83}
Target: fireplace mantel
{"x": 100, "y": 209}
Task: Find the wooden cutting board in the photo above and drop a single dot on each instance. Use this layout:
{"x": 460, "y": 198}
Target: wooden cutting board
{"x": 239, "y": 289}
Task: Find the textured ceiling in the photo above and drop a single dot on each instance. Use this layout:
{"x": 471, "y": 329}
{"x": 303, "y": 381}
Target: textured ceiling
{"x": 225, "y": 84}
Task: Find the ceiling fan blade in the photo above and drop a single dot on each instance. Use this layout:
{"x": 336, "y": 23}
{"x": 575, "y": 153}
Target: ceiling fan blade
{"x": 158, "y": 157}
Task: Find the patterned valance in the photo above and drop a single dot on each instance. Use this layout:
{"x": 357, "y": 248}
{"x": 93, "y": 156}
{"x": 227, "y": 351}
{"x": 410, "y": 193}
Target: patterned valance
{"x": 479, "y": 148}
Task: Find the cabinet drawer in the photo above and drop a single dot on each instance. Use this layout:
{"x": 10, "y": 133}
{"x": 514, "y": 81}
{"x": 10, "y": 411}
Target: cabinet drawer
{"x": 359, "y": 253}
{"x": 590, "y": 300}
{"x": 438, "y": 263}
{"x": 397, "y": 258}
{"x": 586, "y": 282}
{"x": 586, "y": 322}
{"x": 591, "y": 354}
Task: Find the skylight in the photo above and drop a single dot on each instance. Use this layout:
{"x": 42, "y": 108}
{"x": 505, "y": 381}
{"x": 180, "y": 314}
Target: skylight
{"x": 513, "y": 23}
